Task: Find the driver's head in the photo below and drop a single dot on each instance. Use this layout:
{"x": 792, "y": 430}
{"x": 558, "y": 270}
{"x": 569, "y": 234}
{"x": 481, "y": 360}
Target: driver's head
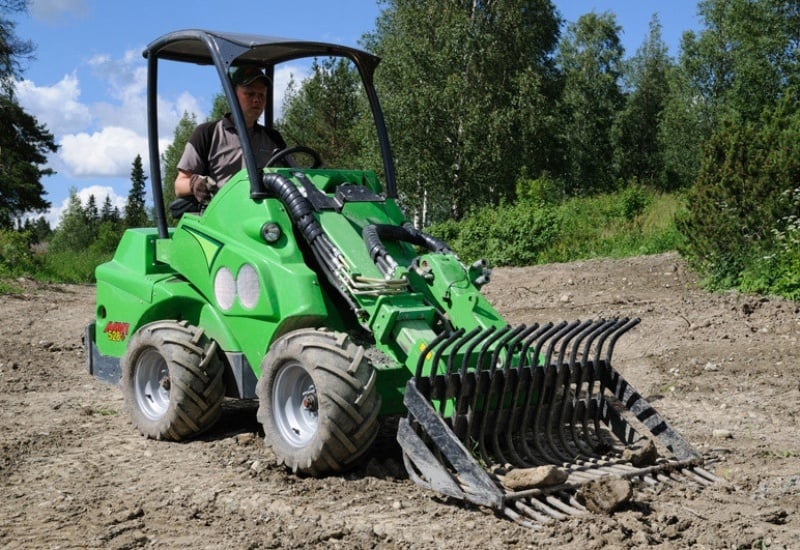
{"x": 251, "y": 86}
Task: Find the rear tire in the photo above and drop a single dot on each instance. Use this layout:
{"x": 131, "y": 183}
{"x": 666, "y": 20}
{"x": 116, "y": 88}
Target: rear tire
{"x": 318, "y": 401}
{"x": 172, "y": 380}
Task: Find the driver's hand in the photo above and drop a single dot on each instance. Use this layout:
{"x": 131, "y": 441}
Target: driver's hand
{"x": 202, "y": 187}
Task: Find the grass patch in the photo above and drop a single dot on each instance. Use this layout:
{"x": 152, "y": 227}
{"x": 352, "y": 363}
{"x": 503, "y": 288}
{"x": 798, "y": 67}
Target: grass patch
{"x": 8, "y": 287}
{"x": 632, "y": 222}
{"x": 607, "y": 226}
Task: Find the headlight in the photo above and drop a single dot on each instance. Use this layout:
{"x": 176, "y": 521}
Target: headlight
{"x": 247, "y": 286}
{"x": 224, "y": 288}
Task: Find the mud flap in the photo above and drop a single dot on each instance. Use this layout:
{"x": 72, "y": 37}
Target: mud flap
{"x": 100, "y": 366}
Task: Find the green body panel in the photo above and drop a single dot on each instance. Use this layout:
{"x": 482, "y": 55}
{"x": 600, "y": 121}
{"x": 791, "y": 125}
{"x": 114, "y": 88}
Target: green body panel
{"x": 126, "y": 288}
{"x": 226, "y": 237}
{"x": 198, "y": 274}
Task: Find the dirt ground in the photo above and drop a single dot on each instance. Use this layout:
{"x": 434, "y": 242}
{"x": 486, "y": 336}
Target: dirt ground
{"x": 722, "y": 368}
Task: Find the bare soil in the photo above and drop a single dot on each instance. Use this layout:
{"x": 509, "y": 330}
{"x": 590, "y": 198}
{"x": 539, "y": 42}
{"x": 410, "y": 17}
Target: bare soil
{"x": 722, "y": 368}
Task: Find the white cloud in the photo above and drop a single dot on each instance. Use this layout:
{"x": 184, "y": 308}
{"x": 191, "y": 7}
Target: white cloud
{"x": 51, "y": 10}
{"x": 56, "y": 106}
{"x": 283, "y": 76}
{"x": 186, "y": 103}
{"x": 126, "y": 81}
{"x": 127, "y": 77}
{"x": 101, "y": 139}
{"x": 109, "y": 152}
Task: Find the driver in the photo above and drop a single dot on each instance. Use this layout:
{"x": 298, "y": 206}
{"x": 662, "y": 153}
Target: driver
{"x": 213, "y": 153}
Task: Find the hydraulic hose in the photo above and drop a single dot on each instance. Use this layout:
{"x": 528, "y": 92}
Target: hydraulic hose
{"x": 300, "y": 211}
{"x": 375, "y": 233}
{"x": 299, "y": 207}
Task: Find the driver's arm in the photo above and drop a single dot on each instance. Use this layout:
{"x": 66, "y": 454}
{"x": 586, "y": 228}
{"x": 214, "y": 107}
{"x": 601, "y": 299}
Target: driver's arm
{"x": 183, "y": 186}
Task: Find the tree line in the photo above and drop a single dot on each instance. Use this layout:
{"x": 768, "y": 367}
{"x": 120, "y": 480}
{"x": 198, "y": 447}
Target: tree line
{"x": 497, "y": 103}
{"x": 492, "y": 103}
{"x": 98, "y": 229}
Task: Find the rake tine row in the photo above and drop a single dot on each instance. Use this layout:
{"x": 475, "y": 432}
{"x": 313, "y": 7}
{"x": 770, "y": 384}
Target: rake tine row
{"x": 526, "y": 396}
{"x": 543, "y": 506}
{"x": 495, "y": 399}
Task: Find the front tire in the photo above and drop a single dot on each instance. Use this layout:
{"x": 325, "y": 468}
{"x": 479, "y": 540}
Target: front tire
{"x": 318, "y": 401}
{"x": 172, "y": 381}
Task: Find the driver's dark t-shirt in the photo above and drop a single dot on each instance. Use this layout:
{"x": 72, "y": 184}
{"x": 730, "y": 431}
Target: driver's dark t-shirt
{"x": 214, "y": 149}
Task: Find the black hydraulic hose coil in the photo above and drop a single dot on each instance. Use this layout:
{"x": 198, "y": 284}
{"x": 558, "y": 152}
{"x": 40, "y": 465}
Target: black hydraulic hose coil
{"x": 375, "y": 233}
{"x": 428, "y": 241}
{"x": 299, "y": 207}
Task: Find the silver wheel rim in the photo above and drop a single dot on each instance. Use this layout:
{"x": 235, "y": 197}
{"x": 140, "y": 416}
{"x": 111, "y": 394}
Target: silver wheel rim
{"x": 151, "y": 384}
{"x": 296, "y": 421}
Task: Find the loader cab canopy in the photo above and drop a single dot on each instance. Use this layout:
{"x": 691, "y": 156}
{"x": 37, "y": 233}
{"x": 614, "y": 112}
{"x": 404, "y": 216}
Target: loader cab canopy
{"x": 226, "y": 50}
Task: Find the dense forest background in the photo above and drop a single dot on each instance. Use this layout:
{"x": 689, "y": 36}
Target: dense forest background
{"x": 517, "y": 138}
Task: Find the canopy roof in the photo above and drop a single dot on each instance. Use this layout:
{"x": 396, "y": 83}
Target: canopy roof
{"x": 195, "y": 46}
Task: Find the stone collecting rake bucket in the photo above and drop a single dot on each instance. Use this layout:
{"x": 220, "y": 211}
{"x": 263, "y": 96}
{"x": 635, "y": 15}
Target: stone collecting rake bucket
{"x": 494, "y": 400}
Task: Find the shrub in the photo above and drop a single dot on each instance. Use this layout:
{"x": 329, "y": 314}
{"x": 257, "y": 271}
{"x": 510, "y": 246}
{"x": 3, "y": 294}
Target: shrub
{"x": 74, "y": 266}
{"x": 16, "y": 257}
{"x": 633, "y": 200}
{"x": 776, "y": 270}
{"x": 504, "y": 235}
{"x": 742, "y": 197}
{"x": 542, "y": 190}
{"x": 617, "y": 224}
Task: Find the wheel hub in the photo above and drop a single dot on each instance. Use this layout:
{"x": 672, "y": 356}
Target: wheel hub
{"x": 295, "y": 405}
{"x": 310, "y": 401}
{"x": 152, "y": 384}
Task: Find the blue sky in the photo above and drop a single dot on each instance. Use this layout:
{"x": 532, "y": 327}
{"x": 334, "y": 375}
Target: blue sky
{"x": 87, "y": 82}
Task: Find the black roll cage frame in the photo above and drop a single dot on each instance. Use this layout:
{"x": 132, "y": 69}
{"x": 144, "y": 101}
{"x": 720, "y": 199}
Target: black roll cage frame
{"x": 225, "y": 50}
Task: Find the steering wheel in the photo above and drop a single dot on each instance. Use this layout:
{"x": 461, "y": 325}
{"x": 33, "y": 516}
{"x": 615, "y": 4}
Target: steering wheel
{"x": 283, "y": 153}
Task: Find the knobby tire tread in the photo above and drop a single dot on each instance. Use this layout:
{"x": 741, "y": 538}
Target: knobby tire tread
{"x": 348, "y": 400}
{"x": 196, "y": 380}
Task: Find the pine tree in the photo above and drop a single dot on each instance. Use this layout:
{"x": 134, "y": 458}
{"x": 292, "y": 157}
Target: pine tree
{"x": 109, "y": 212}
{"x": 24, "y": 142}
{"x": 135, "y": 213}
{"x": 637, "y": 151}
{"x": 219, "y": 108}
{"x": 590, "y": 57}
{"x": 324, "y": 112}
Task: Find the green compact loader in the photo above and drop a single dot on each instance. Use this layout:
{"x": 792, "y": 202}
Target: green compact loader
{"x": 308, "y": 289}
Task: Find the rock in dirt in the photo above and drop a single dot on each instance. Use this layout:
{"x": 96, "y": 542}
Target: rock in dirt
{"x": 531, "y": 478}
{"x": 722, "y": 434}
{"x": 605, "y": 495}
{"x": 641, "y": 455}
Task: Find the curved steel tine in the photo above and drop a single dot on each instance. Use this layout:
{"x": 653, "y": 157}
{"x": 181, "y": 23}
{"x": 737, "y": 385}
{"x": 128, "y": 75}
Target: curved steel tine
{"x": 479, "y": 392}
{"x": 551, "y": 424}
{"x": 588, "y": 379}
{"x": 604, "y": 373}
{"x": 453, "y": 382}
{"x": 435, "y": 360}
{"x": 432, "y": 345}
{"x": 464, "y": 414}
{"x": 520, "y": 405}
{"x": 567, "y": 403}
{"x": 538, "y": 389}
{"x": 494, "y": 395}
{"x": 506, "y": 404}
